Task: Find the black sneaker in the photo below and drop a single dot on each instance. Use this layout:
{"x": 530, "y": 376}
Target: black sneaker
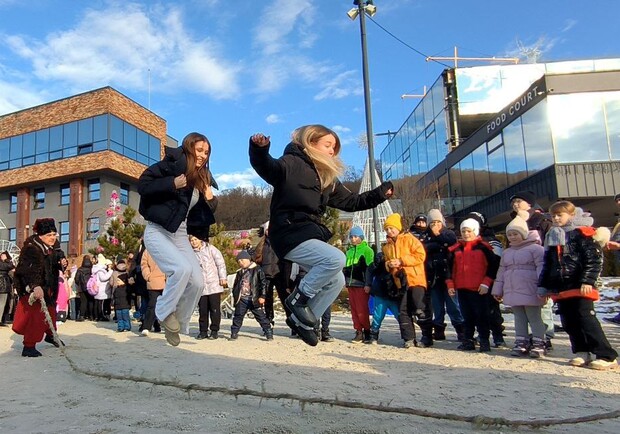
{"x": 213, "y": 336}
{"x": 426, "y": 341}
{"x": 234, "y": 336}
{"x": 485, "y": 346}
{"x": 202, "y": 335}
{"x": 467, "y": 345}
{"x": 50, "y": 340}
{"x": 326, "y": 337}
{"x": 31, "y": 352}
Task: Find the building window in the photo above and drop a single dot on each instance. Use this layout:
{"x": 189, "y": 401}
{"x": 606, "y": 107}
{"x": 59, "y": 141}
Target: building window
{"x": 92, "y": 228}
{"x": 64, "y": 232}
{"x": 94, "y": 189}
{"x": 12, "y": 235}
{"x": 39, "y": 198}
{"x": 65, "y": 192}
{"x": 124, "y": 193}
{"x": 13, "y": 200}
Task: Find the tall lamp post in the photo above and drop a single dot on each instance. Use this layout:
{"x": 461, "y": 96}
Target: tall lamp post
{"x": 362, "y": 8}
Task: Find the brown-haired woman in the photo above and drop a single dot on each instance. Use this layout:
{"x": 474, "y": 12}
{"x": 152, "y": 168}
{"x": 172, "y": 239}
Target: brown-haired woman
{"x": 176, "y": 200}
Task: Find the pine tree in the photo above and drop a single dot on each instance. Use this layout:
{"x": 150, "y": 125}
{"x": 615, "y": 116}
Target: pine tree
{"x": 122, "y": 235}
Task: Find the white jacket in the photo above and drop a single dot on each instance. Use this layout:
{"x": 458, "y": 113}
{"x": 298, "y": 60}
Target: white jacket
{"x": 213, "y": 268}
{"x": 103, "y": 277}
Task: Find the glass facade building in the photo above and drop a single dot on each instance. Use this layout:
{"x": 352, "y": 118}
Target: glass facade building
{"x": 492, "y": 131}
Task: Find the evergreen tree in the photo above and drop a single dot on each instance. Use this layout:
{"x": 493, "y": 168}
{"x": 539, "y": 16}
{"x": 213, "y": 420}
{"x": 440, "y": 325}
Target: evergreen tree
{"x": 225, "y": 245}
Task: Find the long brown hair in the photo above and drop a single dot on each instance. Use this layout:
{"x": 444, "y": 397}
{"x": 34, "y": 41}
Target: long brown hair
{"x": 328, "y": 168}
{"x": 198, "y": 177}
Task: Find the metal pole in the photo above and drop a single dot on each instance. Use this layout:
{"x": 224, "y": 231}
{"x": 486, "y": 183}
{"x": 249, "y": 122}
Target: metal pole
{"x": 369, "y": 136}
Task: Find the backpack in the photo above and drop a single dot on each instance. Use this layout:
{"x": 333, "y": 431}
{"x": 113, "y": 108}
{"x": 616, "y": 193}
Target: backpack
{"x": 92, "y": 286}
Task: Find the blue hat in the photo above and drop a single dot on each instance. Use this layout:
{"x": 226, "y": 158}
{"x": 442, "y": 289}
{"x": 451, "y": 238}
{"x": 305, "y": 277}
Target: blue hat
{"x": 356, "y": 231}
{"x": 243, "y": 255}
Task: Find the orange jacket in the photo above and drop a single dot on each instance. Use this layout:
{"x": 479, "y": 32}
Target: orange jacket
{"x": 411, "y": 252}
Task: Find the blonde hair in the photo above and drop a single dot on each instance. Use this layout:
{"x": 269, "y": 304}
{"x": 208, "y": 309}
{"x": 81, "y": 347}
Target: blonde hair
{"x": 328, "y": 168}
{"x": 562, "y": 206}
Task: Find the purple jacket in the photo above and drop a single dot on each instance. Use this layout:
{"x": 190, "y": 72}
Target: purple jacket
{"x": 519, "y": 268}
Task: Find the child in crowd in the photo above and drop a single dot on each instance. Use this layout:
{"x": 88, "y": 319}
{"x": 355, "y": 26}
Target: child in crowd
{"x": 473, "y": 268}
{"x": 74, "y": 301}
{"x": 358, "y": 257}
{"x": 380, "y": 285}
{"x": 214, "y": 275}
{"x": 121, "y": 296}
{"x": 102, "y": 270}
{"x": 249, "y": 294}
{"x": 517, "y": 285}
{"x": 404, "y": 259}
{"x": 155, "y": 280}
{"x": 573, "y": 262}
{"x": 62, "y": 302}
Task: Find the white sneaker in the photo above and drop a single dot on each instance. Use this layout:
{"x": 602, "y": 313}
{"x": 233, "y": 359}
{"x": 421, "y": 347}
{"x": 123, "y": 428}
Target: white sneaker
{"x": 603, "y": 365}
{"x": 582, "y": 359}
{"x": 144, "y": 333}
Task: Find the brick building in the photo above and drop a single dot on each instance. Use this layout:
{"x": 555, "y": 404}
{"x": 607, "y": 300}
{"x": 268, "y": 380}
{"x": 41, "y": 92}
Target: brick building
{"x": 63, "y": 159}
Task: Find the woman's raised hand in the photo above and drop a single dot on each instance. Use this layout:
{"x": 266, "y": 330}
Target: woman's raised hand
{"x": 180, "y": 181}
{"x": 260, "y": 140}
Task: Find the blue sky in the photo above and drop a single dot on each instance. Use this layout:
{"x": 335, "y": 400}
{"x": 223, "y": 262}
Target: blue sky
{"x": 229, "y": 68}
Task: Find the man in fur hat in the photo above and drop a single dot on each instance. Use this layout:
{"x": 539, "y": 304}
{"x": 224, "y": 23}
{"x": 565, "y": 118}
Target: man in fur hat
{"x": 36, "y": 275}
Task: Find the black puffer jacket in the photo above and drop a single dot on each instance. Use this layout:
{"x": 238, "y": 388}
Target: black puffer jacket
{"x": 298, "y": 202}
{"x": 258, "y": 284}
{"x": 436, "y": 262}
{"x": 6, "y": 283}
{"x": 162, "y": 203}
{"x": 578, "y": 262}
{"x": 38, "y": 265}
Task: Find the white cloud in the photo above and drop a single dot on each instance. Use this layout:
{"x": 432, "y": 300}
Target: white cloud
{"x": 273, "y": 119}
{"x": 279, "y": 20}
{"x": 340, "y": 129}
{"x": 341, "y": 86}
{"x": 569, "y": 24}
{"x": 245, "y": 179}
{"x": 14, "y": 97}
{"x": 105, "y": 48}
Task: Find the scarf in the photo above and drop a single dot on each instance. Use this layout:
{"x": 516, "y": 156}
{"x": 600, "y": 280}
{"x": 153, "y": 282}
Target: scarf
{"x": 557, "y": 235}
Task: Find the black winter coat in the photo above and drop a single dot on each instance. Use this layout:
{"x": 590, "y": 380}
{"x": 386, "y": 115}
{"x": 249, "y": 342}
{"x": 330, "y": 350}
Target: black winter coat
{"x": 38, "y": 265}
{"x": 258, "y": 283}
{"x": 437, "y": 255}
{"x": 580, "y": 262}
{"x": 269, "y": 262}
{"x": 298, "y": 202}
{"x": 6, "y": 283}
{"x": 162, "y": 203}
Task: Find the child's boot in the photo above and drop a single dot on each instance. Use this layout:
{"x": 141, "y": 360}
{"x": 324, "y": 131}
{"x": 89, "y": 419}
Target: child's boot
{"x": 521, "y": 347}
{"x": 297, "y": 302}
{"x": 326, "y": 336}
{"x": 374, "y": 337}
{"x": 440, "y": 332}
{"x": 538, "y": 348}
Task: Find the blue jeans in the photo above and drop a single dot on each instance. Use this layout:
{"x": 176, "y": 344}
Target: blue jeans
{"x": 442, "y": 302}
{"x": 72, "y": 309}
{"x": 122, "y": 320}
{"x": 176, "y": 259}
{"x": 382, "y": 304}
{"x": 324, "y": 279}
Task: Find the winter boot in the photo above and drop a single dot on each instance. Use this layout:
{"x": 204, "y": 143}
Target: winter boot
{"x": 467, "y": 345}
{"x": 538, "y": 348}
{"x": 297, "y": 302}
{"x": 521, "y": 347}
{"x": 269, "y": 335}
{"x": 440, "y": 332}
{"x": 212, "y": 336}
{"x": 308, "y": 335}
{"x": 30, "y": 352}
{"x": 366, "y": 336}
{"x": 326, "y": 337}
{"x": 374, "y": 337}
{"x": 460, "y": 332}
{"x": 485, "y": 346}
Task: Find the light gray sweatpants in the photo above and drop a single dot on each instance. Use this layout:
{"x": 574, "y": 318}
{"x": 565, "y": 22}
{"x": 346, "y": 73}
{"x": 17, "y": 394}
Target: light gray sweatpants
{"x": 531, "y": 315}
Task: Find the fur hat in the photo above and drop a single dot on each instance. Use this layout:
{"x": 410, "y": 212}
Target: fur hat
{"x": 356, "y": 231}
{"x": 435, "y": 215}
{"x": 471, "y": 224}
{"x": 420, "y": 218}
{"x": 44, "y": 226}
{"x": 519, "y": 225}
{"x": 527, "y": 196}
{"x": 243, "y": 255}
{"x": 582, "y": 218}
{"x": 395, "y": 221}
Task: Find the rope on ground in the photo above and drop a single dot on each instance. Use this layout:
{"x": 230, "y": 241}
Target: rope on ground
{"x": 478, "y": 420}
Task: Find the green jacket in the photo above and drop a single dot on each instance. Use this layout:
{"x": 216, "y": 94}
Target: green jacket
{"x": 358, "y": 259}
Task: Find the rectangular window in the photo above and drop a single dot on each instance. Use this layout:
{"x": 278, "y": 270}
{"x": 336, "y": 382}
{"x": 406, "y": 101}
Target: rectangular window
{"x": 92, "y": 228}
{"x": 124, "y": 193}
{"x": 65, "y": 193}
{"x": 94, "y": 189}
{"x": 39, "y": 198}
{"x": 13, "y": 202}
{"x": 64, "y": 232}
{"x": 12, "y": 235}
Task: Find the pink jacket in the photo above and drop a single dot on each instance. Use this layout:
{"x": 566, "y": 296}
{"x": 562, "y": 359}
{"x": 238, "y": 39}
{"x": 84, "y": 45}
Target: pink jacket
{"x": 62, "y": 302}
{"x": 519, "y": 268}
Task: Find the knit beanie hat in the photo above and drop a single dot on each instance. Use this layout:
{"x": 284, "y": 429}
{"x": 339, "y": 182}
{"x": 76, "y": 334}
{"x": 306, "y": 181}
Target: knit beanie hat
{"x": 471, "y": 224}
{"x": 356, "y": 231}
{"x": 393, "y": 220}
{"x": 44, "y": 226}
{"x": 435, "y": 215}
{"x": 419, "y": 218}
{"x": 527, "y": 196}
{"x": 243, "y": 255}
{"x": 519, "y": 225}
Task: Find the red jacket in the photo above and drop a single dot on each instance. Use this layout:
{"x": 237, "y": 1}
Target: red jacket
{"x": 472, "y": 263}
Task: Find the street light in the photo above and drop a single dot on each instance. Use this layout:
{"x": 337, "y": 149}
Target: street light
{"x": 362, "y": 8}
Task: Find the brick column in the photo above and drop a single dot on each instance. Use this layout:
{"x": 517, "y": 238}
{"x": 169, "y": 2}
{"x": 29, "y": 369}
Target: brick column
{"x": 76, "y": 217}
{"x": 22, "y": 221}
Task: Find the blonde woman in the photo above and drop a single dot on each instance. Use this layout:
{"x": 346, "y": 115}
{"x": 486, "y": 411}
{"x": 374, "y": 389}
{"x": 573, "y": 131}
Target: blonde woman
{"x": 305, "y": 182}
